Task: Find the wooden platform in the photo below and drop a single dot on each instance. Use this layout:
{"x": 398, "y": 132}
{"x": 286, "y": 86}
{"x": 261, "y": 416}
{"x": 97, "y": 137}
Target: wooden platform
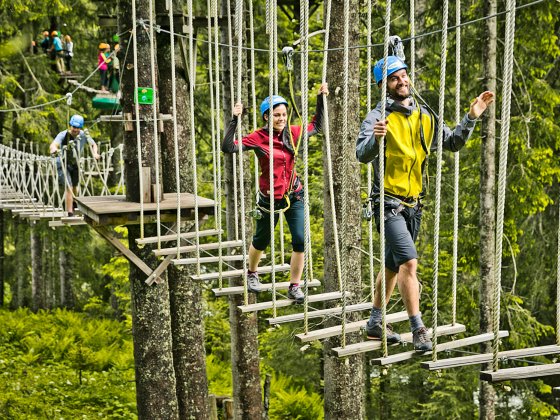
{"x": 319, "y": 313}
{"x": 265, "y": 287}
{"x": 115, "y": 210}
{"x": 282, "y": 303}
{"x": 239, "y": 273}
{"x": 477, "y": 359}
{"x": 526, "y": 372}
{"x": 372, "y": 345}
{"x": 350, "y": 327}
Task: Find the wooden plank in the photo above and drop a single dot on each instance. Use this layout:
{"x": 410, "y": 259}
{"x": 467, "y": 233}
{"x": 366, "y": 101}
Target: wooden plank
{"x": 154, "y": 277}
{"x": 319, "y": 313}
{"x": 372, "y": 345}
{"x": 478, "y": 359}
{"x": 173, "y": 237}
{"x": 463, "y": 342}
{"x": 350, "y": 327}
{"x": 266, "y": 287}
{"x": 127, "y": 253}
{"x": 239, "y": 273}
{"x": 192, "y": 248}
{"x": 210, "y": 260}
{"x": 261, "y": 306}
{"x": 526, "y": 372}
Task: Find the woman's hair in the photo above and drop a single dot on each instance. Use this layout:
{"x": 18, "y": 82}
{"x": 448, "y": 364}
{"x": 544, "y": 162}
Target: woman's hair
{"x": 67, "y": 38}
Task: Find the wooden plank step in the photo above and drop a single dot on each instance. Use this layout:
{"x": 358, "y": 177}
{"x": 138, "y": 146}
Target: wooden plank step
{"x": 208, "y": 260}
{"x": 372, "y": 345}
{"x": 321, "y": 297}
{"x": 239, "y": 273}
{"x": 526, "y": 372}
{"x": 454, "y": 344}
{"x": 192, "y": 248}
{"x": 319, "y": 313}
{"x": 478, "y": 359}
{"x": 185, "y": 235}
{"x": 350, "y": 327}
{"x": 266, "y": 287}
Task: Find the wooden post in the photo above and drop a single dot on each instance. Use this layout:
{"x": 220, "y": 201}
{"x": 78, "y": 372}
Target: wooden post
{"x": 228, "y": 409}
{"x": 212, "y": 402}
{"x": 147, "y": 184}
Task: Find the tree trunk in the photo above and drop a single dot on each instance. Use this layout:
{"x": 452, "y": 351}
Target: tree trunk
{"x": 344, "y": 381}
{"x": 487, "y": 396}
{"x": 2, "y": 254}
{"x": 20, "y": 296}
{"x": 186, "y": 300}
{"x": 151, "y": 324}
{"x": 38, "y": 297}
{"x": 65, "y": 276}
{"x": 245, "y": 361}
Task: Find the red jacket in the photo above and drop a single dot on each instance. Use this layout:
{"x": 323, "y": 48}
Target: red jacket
{"x": 284, "y": 158}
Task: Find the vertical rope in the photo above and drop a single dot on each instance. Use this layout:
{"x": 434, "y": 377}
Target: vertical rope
{"x": 456, "y": 162}
{"x": 215, "y": 140}
{"x": 344, "y": 185}
{"x": 176, "y": 132}
{"x": 239, "y": 31}
{"x": 218, "y": 136}
{"x": 370, "y": 167}
{"x": 192, "y": 79}
{"x": 437, "y": 200}
{"x": 271, "y": 62}
{"x": 304, "y": 30}
{"x": 412, "y": 18}
{"x": 155, "y": 110}
{"x": 558, "y": 284}
{"x": 232, "y": 103}
{"x": 504, "y": 142}
{"x": 386, "y": 36}
{"x": 137, "y": 111}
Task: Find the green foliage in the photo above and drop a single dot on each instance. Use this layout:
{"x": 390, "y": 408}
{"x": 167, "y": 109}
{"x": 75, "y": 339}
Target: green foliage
{"x": 289, "y": 402}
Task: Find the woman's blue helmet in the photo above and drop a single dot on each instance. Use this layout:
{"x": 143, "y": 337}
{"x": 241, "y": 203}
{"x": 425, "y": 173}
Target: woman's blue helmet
{"x": 394, "y": 64}
{"x": 276, "y": 100}
{"x": 76, "y": 121}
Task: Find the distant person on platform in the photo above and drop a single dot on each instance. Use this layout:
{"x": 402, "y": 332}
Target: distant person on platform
{"x": 57, "y": 52}
{"x": 114, "y": 79}
{"x": 45, "y": 42}
{"x": 103, "y": 61}
{"x": 68, "y": 175}
{"x": 68, "y": 53}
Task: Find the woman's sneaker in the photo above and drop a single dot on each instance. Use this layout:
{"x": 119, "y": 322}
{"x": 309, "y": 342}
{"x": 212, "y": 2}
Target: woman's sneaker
{"x": 375, "y": 331}
{"x": 295, "y": 293}
{"x": 253, "y": 283}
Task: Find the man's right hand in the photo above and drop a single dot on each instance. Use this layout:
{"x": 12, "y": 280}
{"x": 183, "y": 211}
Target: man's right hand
{"x": 380, "y": 129}
{"x": 237, "y": 109}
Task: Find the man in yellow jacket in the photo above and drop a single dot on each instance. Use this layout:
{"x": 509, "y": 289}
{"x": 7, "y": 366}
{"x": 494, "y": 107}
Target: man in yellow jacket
{"x": 410, "y": 131}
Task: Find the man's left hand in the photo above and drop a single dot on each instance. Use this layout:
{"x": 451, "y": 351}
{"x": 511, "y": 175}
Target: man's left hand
{"x": 480, "y": 103}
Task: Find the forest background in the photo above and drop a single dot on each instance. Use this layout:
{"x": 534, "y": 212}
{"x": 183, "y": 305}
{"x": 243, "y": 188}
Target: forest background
{"x": 76, "y": 359}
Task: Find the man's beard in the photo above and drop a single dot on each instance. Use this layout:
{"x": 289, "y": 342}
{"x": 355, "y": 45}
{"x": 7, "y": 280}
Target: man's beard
{"x": 398, "y": 97}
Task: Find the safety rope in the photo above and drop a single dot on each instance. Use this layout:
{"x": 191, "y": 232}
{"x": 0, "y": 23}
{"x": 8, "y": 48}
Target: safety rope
{"x": 137, "y": 111}
{"x": 456, "y": 165}
{"x": 381, "y": 142}
{"x": 412, "y": 18}
{"x": 155, "y": 102}
{"x": 439, "y": 155}
{"x": 304, "y": 31}
{"x": 176, "y": 134}
{"x": 218, "y": 137}
{"x": 192, "y": 78}
{"x": 211, "y": 88}
{"x": 370, "y": 167}
{"x": 271, "y": 45}
{"x": 504, "y": 142}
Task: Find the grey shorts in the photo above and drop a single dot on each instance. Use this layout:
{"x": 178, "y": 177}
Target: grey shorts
{"x": 401, "y": 231}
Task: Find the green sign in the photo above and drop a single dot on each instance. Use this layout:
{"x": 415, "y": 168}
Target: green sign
{"x": 145, "y": 96}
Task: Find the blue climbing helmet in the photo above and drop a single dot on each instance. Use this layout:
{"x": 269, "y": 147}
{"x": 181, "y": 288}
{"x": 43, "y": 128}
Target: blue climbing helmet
{"x": 394, "y": 64}
{"x": 76, "y": 121}
{"x": 276, "y": 100}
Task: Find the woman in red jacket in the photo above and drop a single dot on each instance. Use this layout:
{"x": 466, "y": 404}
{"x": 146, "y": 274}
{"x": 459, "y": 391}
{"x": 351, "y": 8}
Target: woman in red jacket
{"x": 288, "y": 189}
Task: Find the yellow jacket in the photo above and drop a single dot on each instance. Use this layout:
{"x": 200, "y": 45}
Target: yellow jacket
{"x": 411, "y": 136}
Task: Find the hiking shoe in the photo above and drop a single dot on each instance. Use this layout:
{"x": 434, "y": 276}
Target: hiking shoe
{"x": 375, "y": 331}
{"x": 421, "y": 340}
{"x": 295, "y": 293}
{"x": 253, "y": 282}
